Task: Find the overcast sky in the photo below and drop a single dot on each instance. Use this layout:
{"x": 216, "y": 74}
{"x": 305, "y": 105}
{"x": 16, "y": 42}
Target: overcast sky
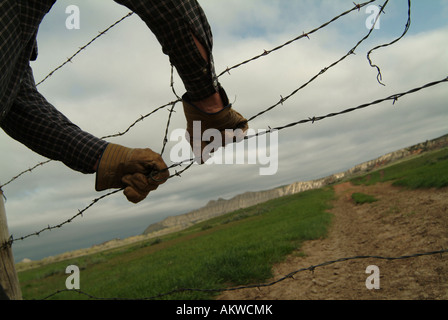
{"x": 124, "y": 75}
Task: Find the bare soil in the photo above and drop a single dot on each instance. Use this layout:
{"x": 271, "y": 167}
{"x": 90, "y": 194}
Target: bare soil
{"x": 402, "y": 222}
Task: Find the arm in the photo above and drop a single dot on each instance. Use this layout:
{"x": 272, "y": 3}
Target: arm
{"x": 185, "y": 35}
{"x": 37, "y": 124}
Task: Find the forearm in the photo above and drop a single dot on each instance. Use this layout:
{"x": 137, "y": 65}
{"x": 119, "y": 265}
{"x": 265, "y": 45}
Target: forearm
{"x": 38, "y": 125}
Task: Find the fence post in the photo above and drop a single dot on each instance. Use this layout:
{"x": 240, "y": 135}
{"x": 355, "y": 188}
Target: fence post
{"x": 9, "y": 281}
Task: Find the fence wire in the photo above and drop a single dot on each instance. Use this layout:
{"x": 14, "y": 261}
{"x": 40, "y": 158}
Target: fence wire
{"x": 188, "y": 163}
{"x": 265, "y": 53}
{"x": 84, "y": 47}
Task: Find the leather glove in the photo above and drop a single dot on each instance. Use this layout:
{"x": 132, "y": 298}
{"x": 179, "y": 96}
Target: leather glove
{"x": 227, "y": 118}
{"x": 137, "y": 171}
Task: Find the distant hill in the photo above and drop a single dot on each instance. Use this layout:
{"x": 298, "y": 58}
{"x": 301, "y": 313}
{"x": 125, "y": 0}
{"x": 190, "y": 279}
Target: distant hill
{"x": 219, "y": 207}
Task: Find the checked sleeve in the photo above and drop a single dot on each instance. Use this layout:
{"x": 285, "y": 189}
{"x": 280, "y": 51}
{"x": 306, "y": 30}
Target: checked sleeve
{"x": 37, "y": 124}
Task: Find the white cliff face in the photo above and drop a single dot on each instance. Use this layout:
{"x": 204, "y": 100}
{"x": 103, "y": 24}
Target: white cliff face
{"x": 219, "y": 207}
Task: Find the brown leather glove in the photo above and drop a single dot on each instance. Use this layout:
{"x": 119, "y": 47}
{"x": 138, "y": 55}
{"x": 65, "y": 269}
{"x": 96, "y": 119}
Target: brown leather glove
{"x": 138, "y": 171}
{"x": 227, "y": 118}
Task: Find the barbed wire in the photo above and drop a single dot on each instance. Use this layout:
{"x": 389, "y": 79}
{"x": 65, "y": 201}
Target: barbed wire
{"x": 101, "y": 33}
{"x": 11, "y": 239}
{"x": 190, "y": 162}
{"x": 357, "y": 7}
{"x": 265, "y": 53}
{"x": 25, "y": 171}
{"x": 324, "y": 70}
{"x": 259, "y": 285}
{"x": 69, "y": 60}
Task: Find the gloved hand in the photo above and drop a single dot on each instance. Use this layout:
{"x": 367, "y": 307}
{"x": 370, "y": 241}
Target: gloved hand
{"x": 138, "y": 171}
{"x": 230, "y": 125}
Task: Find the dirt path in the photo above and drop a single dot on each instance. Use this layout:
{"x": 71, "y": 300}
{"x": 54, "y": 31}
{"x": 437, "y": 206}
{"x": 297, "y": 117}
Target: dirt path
{"x": 401, "y": 223}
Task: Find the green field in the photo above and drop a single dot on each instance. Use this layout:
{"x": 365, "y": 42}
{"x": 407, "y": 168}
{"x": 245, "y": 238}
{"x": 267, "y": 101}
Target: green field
{"x": 235, "y": 249}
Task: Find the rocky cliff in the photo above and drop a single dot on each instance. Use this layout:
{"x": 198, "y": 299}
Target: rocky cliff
{"x": 221, "y": 206}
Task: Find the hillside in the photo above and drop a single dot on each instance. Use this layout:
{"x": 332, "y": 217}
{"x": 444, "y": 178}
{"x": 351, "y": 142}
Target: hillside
{"x": 219, "y": 207}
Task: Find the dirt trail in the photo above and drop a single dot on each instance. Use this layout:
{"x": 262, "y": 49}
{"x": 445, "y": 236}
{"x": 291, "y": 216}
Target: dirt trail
{"x": 402, "y": 222}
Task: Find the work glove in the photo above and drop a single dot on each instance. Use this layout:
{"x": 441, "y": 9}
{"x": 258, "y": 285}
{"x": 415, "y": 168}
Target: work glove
{"x": 230, "y": 124}
{"x": 137, "y": 171}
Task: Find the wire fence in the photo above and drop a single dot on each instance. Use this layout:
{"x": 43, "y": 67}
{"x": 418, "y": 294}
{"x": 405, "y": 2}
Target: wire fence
{"x": 187, "y": 163}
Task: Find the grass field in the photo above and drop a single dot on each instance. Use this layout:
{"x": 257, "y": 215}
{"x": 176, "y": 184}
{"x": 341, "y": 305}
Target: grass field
{"x": 235, "y": 249}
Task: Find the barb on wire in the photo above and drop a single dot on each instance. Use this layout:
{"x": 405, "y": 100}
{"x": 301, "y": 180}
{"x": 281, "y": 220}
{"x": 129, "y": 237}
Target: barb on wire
{"x": 260, "y": 285}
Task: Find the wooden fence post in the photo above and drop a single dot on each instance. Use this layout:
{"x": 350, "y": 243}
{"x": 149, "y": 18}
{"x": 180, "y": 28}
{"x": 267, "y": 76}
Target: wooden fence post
{"x": 9, "y": 282}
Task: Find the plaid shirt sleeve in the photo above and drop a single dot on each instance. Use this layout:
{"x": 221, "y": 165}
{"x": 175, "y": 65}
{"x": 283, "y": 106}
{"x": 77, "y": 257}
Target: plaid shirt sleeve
{"x": 28, "y": 117}
{"x": 36, "y": 123}
{"x": 19, "y": 22}
{"x": 24, "y": 113}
